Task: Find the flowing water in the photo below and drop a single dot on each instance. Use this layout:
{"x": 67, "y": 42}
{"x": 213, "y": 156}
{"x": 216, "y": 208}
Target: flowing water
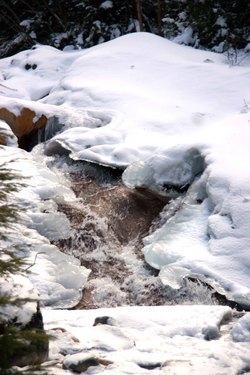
{"x": 108, "y": 223}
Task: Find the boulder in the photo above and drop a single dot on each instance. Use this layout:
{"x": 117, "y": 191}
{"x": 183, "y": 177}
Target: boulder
{"x": 104, "y": 320}
{"x": 25, "y": 124}
{"x": 80, "y": 362}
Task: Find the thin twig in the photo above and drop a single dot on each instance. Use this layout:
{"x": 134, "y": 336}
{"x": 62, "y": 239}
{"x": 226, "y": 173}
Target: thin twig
{"x": 41, "y": 252}
{"x": 8, "y": 87}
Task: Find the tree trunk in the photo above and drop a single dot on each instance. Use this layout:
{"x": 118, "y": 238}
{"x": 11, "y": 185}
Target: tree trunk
{"x": 139, "y": 14}
{"x": 159, "y": 16}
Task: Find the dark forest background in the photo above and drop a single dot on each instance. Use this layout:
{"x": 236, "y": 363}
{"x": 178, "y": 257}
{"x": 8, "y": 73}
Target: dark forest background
{"x": 210, "y": 24}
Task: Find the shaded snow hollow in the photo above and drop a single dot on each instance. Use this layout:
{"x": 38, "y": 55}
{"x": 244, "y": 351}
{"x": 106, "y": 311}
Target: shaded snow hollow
{"x": 175, "y": 117}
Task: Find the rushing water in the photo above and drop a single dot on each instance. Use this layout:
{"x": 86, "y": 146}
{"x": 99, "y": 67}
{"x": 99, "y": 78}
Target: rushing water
{"x": 108, "y": 223}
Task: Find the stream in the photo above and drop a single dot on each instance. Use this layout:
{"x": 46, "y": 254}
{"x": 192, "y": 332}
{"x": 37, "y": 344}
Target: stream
{"x": 108, "y": 224}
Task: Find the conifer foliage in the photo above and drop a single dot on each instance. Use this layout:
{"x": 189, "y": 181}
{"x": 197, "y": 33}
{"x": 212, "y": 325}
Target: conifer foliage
{"x": 212, "y": 24}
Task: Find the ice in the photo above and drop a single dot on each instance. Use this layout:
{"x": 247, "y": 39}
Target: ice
{"x": 173, "y": 276}
{"x": 58, "y": 277}
{"x": 241, "y": 329}
{"x": 167, "y": 171}
{"x": 51, "y": 225}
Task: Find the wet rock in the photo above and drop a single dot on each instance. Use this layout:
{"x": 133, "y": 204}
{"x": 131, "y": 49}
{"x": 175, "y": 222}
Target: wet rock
{"x": 103, "y": 320}
{"x": 211, "y": 333}
{"x": 81, "y": 362}
{"x": 150, "y": 366}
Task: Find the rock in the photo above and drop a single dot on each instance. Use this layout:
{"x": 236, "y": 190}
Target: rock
{"x": 149, "y": 365}
{"x": 25, "y": 124}
{"x": 211, "y": 333}
{"x": 81, "y": 362}
{"x": 103, "y": 320}
{"x": 63, "y": 330}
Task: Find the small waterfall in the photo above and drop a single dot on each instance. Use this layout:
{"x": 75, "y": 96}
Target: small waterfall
{"x": 37, "y": 136}
{"x": 52, "y": 127}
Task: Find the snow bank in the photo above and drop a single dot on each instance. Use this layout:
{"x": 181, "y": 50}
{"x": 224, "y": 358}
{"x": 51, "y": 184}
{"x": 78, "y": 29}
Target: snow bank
{"x": 58, "y": 277}
{"x": 141, "y": 88}
{"x": 207, "y": 236}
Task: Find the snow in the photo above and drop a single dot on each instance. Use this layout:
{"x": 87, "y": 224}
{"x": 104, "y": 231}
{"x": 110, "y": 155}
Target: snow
{"x": 241, "y": 329}
{"x": 57, "y": 276}
{"x": 186, "y": 37}
{"x": 175, "y": 119}
{"x": 18, "y": 286}
{"x": 8, "y": 135}
{"x": 106, "y": 4}
{"x": 173, "y": 339}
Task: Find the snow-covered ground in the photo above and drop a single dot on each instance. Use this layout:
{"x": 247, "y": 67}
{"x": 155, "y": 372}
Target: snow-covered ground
{"x": 158, "y": 340}
{"x": 175, "y": 119}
